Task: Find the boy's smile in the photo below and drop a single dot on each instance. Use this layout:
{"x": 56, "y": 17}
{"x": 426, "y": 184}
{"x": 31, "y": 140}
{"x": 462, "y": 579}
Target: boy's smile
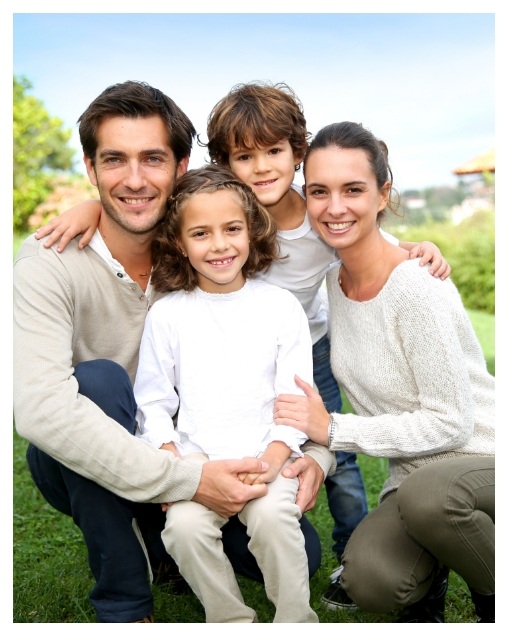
{"x": 268, "y": 170}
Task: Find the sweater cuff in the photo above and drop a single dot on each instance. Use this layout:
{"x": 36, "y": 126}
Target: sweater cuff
{"x": 332, "y": 424}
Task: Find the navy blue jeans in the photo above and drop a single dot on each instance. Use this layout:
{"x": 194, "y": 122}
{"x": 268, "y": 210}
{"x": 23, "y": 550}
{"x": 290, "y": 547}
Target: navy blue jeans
{"x": 122, "y": 591}
{"x": 345, "y": 489}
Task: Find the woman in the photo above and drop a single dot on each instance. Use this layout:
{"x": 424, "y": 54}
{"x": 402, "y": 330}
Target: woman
{"x": 406, "y": 354}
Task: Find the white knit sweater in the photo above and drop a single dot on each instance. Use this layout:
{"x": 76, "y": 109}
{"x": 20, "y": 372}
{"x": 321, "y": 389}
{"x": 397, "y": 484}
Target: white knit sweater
{"x": 414, "y": 372}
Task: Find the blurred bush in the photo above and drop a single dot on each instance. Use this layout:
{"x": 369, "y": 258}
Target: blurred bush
{"x": 469, "y": 247}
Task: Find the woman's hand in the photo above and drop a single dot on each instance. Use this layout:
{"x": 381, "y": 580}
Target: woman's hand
{"x": 306, "y": 412}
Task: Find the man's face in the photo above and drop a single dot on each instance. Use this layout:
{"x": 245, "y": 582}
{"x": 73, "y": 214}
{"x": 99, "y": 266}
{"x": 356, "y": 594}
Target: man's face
{"x": 135, "y": 171}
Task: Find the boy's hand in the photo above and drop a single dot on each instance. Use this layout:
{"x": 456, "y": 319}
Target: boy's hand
{"x": 427, "y": 252}
{"x": 82, "y": 218}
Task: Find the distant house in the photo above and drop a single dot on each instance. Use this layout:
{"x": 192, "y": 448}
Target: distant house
{"x": 480, "y": 164}
{"x": 414, "y": 203}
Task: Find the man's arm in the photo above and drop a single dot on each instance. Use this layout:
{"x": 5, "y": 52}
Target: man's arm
{"x": 49, "y": 299}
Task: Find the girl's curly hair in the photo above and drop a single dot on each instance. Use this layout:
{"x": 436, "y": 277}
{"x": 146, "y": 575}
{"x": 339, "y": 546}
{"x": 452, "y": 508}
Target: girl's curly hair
{"x": 172, "y": 271}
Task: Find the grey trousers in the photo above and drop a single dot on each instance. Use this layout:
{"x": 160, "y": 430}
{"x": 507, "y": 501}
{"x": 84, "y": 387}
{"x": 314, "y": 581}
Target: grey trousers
{"x": 442, "y": 514}
{"x": 192, "y": 536}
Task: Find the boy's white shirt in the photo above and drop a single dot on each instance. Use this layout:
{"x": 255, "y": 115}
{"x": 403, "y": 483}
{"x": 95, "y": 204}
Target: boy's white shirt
{"x": 305, "y": 268}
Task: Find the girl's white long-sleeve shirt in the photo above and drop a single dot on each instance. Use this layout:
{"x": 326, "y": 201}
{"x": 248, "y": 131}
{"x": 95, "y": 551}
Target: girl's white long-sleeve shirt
{"x": 220, "y": 360}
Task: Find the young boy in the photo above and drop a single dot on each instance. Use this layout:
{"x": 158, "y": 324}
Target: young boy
{"x": 260, "y": 132}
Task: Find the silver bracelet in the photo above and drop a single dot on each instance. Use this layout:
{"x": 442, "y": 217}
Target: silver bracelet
{"x": 331, "y": 430}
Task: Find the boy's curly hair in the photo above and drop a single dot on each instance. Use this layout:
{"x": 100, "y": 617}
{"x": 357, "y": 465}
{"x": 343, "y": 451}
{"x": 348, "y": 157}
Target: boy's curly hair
{"x": 256, "y": 114}
{"x": 172, "y": 271}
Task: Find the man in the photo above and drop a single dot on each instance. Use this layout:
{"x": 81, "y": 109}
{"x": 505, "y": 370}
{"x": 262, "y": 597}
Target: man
{"x": 78, "y": 319}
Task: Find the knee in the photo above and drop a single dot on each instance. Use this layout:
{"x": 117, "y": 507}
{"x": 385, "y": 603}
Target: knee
{"x": 188, "y": 524}
{"x": 370, "y": 583}
{"x": 178, "y": 524}
{"x": 265, "y": 519}
{"x": 371, "y": 575}
{"x": 95, "y": 377}
{"x": 108, "y": 385}
{"x": 422, "y": 502}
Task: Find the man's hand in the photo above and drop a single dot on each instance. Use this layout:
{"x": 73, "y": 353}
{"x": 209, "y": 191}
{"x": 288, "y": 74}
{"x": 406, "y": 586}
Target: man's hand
{"x": 311, "y": 478}
{"x": 275, "y": 455}
{"x": 221, "y": 489}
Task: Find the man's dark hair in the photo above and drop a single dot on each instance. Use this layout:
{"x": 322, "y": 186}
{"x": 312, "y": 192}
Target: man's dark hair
{"x": 136, "y": 99}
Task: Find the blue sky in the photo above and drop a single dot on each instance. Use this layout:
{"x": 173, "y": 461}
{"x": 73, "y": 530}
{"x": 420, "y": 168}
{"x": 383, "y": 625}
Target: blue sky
{"x": 423, "y": 82}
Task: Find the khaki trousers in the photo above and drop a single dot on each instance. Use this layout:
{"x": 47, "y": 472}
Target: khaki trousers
{"x": 193, "y": 537}
{"x": 443, "y": 513}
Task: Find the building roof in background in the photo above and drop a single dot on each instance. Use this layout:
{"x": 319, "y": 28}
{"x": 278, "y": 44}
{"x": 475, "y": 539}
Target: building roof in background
{"x": 484, "y": 162}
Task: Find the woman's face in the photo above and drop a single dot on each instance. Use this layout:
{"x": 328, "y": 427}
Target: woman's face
{"x": 343, "y": 199}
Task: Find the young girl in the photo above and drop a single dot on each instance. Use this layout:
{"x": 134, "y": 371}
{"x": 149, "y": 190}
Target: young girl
{"x": 428, "y": 404}
{"x": 219, "y": 349}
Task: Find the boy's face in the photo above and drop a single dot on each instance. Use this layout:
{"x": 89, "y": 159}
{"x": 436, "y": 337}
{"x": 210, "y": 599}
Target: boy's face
{"x": 268, "y": 170}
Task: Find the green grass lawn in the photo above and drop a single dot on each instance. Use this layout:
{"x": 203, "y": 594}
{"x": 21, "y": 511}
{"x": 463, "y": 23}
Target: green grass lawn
{"x": 52, "y": 580}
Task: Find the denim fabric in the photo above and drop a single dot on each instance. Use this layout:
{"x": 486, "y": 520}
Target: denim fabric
{"x": 345, "y": 490}
{"x": 122, "y": 591}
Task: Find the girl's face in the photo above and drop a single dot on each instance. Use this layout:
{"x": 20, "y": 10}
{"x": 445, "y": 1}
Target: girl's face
{"x": 343, "y": 199}
{"x": 215, "y": 238}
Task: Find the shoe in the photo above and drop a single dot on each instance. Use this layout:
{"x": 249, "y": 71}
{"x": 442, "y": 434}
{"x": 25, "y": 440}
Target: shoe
{"x": 485, "y": 606}
{"x": 335, "y": 597}
{"x": 431, "y": 608}
{"x": 167, "y": 573}
{"x": 147, "y": 619}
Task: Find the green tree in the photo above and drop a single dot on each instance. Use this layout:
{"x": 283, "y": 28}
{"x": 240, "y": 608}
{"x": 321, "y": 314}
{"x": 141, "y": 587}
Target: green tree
{"x": 41, "y": 152}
